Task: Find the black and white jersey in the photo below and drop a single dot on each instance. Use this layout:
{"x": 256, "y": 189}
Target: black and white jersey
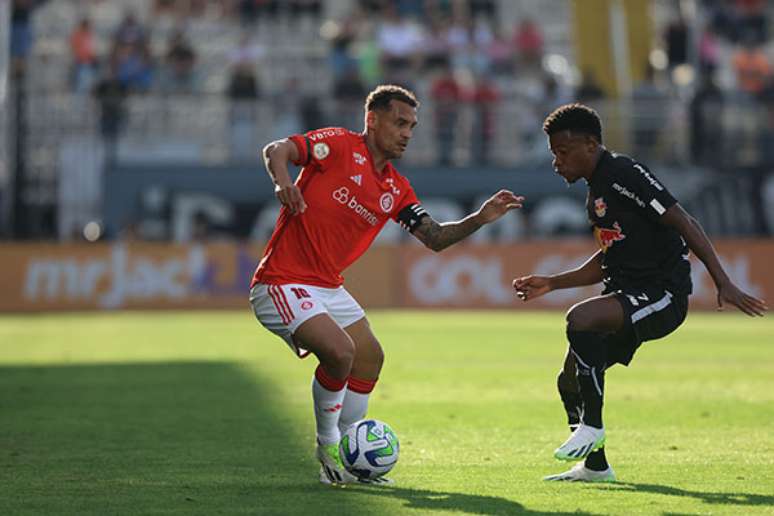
{"x": 624, "y": 204}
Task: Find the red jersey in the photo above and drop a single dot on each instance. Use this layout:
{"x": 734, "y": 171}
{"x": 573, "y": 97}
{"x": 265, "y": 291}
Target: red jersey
{"x": 348, "y": 203}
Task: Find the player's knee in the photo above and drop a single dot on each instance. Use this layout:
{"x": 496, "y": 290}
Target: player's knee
{"x": 378, "y": 356}
{"x": 572, "y": 319}
{"x": 343, "y": 355}
{"x": 575, "y": 320}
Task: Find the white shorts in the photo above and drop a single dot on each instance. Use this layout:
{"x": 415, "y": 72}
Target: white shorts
{"x": 281, "y": 309}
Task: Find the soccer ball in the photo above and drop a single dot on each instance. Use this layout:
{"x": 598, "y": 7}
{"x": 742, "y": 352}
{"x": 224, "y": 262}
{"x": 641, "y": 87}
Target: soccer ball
{"x": 369, "y": 448}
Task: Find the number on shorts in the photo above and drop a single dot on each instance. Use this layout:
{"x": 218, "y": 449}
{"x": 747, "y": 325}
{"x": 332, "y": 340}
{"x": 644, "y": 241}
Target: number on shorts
{"x": 300, "y": 292}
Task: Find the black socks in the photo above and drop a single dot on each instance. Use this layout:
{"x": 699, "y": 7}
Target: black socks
{"x": 589, "y": 351}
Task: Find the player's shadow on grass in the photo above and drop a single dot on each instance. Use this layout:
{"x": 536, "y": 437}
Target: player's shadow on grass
{"x": 707, "y": 497}
{"x": 138, "y": 438}
{"x": 424, "y": 499}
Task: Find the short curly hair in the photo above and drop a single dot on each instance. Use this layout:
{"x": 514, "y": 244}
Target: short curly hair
{"x": 380, "y": 98}
{"x": 577, "y": 118}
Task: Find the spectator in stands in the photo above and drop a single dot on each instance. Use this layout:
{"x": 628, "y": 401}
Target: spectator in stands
{"x": 481, "y": 41}
{"x": 487, "y": 8}
{"x": 399, "y": 41}
{"x": 722, "y": 19}
{"x": 130, "y": 32}
{"x": 706, "y": 143}
{"x": 341, "y": 57}
{"x": 500, "y": 52}
{"x": 246, "y": 52}
{"x": 751, "y": 15}
{"x": 435, "y": 44}
{"x": 589, "y": 90}
{"x": 486, "y": 98}
{"x": 179, "y": 73}
{"x": 459, "y": 40}
{"x": 676, "y": 40}
{"x": 446, "y": 95}
{"x": 709, "y": 51}
{"x": 111, "y": 94}
{"x": 752, "y": 67}
{"x": 349, "y": 92}
{"x": 243, "y": 91}
{"x": 528, "y": 41}
{"x": 21, "y": 33}
{"x": 134, "y": 66}
{"x": 84, "y": 56}
{"x": 651, "y": 112}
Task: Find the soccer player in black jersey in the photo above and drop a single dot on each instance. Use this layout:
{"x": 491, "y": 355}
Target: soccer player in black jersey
{"x": 644, "y": 236}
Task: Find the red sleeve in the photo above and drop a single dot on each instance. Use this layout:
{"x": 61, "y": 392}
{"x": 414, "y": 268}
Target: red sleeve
{"x": 408, "y": 199}
{"x": 320, "y": 146}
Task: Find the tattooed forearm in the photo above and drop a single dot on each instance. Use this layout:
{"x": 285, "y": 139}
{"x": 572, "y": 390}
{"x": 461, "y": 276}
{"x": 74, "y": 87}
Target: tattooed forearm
{"x": 440, "y": 236}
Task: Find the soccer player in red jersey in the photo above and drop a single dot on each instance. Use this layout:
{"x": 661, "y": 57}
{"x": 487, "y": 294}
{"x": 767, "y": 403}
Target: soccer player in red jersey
{"x": 346, "y": 192}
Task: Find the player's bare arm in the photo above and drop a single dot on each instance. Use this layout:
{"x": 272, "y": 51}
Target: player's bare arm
{"x": 698, "y": 242}
{"x": 438, "y": 236}
{"x": 276, "y": 157}
{"x": 530, "y": 287}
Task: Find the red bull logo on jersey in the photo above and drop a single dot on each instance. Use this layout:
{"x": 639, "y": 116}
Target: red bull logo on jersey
{"x": 606, "y": 237}
{"x": 342, "y": 196}
{"x": 600, "y": 208}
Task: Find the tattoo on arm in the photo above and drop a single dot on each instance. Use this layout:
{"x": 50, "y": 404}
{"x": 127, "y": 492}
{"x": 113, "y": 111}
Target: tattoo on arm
{"x": 440, "y": 236}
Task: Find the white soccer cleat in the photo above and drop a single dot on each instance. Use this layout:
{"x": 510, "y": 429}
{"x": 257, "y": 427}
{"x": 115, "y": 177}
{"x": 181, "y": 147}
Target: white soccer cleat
{"x": 584, "y": 440}
{"x": 331, "y": 468}
{"x": 580, "y": 473}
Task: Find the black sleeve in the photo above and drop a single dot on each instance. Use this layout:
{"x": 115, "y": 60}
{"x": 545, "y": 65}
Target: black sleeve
{"x": 411, "y": 216}
{"x": 639, "y": 185}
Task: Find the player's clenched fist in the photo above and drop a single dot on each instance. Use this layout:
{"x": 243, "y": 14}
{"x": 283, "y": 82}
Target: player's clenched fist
{"x": 290, "y": 196}
{"x": 530, "y": 287}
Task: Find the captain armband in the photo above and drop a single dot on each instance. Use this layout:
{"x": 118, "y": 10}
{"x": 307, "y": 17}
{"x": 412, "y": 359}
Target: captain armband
{"x": 411, "y": 216}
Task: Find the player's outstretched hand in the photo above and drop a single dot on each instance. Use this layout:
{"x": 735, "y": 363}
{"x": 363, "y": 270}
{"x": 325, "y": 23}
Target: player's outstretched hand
{"x": 290, "y": 196}
{"x": 530, "y": 287}
{"x": 730, "y": 293}
{"x": 498, "y": 205}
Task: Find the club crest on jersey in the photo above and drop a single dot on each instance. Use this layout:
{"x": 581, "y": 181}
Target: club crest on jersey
{"x": 606, "y": 237}
{"x": 321, "y": 150}
{"x": 386, "y": 201}
{"x": 600, "y": 208}
{"x": 359, "y": 158}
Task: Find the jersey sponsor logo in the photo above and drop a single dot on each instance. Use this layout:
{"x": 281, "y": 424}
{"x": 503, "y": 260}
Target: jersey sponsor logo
{"x": 342, "y": 196}
{"x": 628, "y": 193}
{"x": 321, "y": 150}
{"x": 325, "y": 133}
{"x": 649, "y": 178}
{"x": 386, "y": 202}
{"x": 606, "y": 237}
{"x": 359, "y": 158}
{"x": 358, "y": 179}
{"x": 600, "y": 208}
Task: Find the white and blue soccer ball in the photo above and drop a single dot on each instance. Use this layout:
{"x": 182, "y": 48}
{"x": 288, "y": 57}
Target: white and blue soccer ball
{"x": 369, "y": 448}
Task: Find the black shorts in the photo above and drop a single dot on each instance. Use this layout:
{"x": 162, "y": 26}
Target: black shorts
{"x": 649, "y": 314}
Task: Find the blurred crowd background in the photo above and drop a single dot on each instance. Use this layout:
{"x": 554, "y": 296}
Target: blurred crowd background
{"x": 143, "y": 119}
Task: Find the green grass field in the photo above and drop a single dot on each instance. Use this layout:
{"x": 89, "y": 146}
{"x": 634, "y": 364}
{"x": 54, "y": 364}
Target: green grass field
{"x": 207, "y": 413}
